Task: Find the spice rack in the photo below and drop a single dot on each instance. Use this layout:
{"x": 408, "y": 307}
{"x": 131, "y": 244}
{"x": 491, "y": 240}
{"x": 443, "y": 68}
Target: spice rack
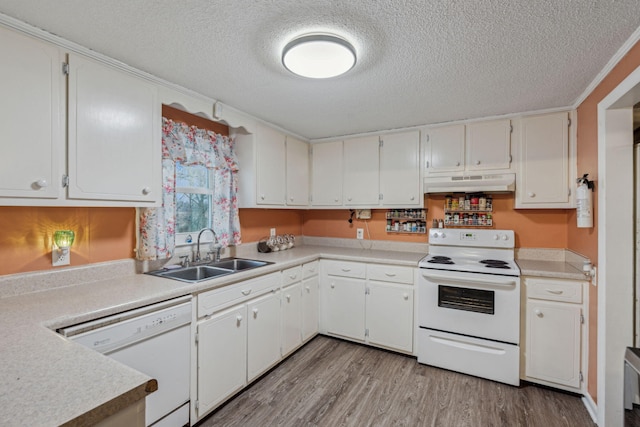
{"x": 407, "y": 221}
{"x": 469, "y": 210}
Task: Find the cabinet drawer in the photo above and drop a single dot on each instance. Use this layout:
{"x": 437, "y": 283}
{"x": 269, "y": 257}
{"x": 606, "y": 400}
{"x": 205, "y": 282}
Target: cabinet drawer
{"x": 345, "y": 269}
{"x": 310, "y": 269}
{"x": 554, "y": 290}
{"x": 217, "y": 299}
{"x": 390, "y": 273}
{"x": 291, "y": 275}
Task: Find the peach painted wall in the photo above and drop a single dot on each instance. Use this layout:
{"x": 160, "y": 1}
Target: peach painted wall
{"x": 534, "y": 228}
{"x": 585, "y": 240}
{"x": 255, "y": 224}
{"x": 102, "y": 234}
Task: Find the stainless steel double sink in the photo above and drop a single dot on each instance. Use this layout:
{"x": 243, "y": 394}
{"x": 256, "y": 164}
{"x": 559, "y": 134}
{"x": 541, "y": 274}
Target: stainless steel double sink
{"x": 211, "y": 270}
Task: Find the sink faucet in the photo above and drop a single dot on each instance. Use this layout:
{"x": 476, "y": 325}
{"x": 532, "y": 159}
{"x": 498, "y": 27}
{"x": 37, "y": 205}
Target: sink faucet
{"x": 215, "y": 239}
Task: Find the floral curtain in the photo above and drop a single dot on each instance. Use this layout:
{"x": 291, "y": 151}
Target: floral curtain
{"x": 190, "y": 145}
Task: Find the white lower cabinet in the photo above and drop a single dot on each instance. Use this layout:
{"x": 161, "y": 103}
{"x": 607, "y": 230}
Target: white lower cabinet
{"x": 310, "y": 300}
{"x": 263, "y": 329}
{"x": 370, "y": 303}
{"x": 554, "y": 349}
{"x": 389, "y": 315}
{"x": 222, "y": 357}
{"x": 291, "y": 318}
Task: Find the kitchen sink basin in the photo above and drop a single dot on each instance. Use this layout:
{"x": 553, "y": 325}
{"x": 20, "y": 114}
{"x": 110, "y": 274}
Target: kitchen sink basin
{"x": 239, "y": 264}
{"x": 198, "y": 273}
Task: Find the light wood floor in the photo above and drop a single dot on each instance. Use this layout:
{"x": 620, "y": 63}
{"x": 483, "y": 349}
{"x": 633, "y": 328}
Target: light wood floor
{"x": 331, "y": 382}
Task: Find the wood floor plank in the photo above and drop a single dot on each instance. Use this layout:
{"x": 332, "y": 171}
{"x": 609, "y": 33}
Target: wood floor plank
{"x": 330, "y": 382}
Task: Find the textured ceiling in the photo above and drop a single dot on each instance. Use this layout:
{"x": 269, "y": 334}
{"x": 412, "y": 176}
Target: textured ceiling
{"x": 419, "y": 62}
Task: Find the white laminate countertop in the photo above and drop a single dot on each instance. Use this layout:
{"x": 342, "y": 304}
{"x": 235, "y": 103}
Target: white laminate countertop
{"x": 554, "y": 269}
{"x": 48, "y": 380}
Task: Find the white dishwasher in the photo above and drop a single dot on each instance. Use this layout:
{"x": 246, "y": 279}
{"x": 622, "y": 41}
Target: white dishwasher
{"x": 154, "y": 340}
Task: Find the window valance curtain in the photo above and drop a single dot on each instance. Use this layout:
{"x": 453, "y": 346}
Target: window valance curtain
{"x": 190, "y": 145}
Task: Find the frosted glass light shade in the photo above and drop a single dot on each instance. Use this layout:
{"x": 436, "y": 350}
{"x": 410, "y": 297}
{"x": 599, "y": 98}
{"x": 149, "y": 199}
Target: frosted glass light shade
{"x": 319, "y": 56}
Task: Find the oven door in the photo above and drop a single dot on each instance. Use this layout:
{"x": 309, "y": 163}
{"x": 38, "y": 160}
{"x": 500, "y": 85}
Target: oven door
{"x": 472, "y": 304}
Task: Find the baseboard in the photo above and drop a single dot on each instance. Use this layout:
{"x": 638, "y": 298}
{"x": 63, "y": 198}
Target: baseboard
{"x": 591, "y": 406}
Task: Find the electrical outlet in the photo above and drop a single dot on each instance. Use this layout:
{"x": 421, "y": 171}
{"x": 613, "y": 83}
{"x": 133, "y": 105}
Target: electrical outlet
{"x": 594, "y": 276}
{"x": 359, "y": 233}
{"x": 272, "y": 232}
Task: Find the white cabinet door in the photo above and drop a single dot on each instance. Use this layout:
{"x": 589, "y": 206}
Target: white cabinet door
{"x": 310, "y": 307}
{"x": 543, "y": 160}
{"x": 345, "y": 308}
{"x": 297, "y": 172}
{"x": 361, "y": 171}
{"x": 291, "y": 318}
{"x": 32, "y": 110}
{"x": 445, "y": 149}
{"x": 114, "y": 134}
{"x": 389, "y": 315}
{"x": 488, "y": 145}
{"x": 326, "y": 174}
{"x": 263, "y": 334}
{"x": 270, "y": 166}
{"x": 400, "y": 169}
{"x": 553, "y": 342}
{"x": 222, "y": 357}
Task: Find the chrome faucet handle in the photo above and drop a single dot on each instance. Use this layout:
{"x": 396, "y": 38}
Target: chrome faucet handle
{"x": 184, "y": 260}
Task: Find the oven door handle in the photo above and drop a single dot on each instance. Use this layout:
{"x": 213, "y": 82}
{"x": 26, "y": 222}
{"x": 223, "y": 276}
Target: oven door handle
{"x": 495, "y": 281}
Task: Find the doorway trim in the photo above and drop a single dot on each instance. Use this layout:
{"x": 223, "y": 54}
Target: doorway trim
{"x": 615, "y": 244}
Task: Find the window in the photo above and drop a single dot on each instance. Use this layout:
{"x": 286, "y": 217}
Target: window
{"x": 194, "y": 195}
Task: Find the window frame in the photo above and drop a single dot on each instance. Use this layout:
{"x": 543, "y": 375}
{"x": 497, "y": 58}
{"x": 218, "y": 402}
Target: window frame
{"x": 191, "y": 237}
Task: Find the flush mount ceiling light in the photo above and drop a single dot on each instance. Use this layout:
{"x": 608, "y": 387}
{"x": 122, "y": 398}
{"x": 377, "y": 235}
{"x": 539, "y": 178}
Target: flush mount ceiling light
{"x": 319, "y": 56}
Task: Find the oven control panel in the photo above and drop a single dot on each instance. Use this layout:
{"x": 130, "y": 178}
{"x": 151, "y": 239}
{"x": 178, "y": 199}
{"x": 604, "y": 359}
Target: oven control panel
{"x": 472, "y": 237}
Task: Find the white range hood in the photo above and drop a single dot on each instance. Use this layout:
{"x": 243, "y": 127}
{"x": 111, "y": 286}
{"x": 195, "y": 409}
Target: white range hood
{"x": 495, "y": 183}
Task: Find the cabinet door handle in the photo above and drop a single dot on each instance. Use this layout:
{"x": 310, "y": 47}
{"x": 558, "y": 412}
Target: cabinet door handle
{"x": 335, "y": 200}
{"x": 246, "y": 292}
{"x": 349, "y": 198}
{"x": 390, "y": 274}
{"x": 405, "y": 296}
{"x": 555, "y": 292}
{"x": 41, "y": 183}
{"x": 457, "y": 163}
{"x": 346, "y": 270}
{"x": 332, "y": 286}
{"x": 293, "y": 276}
{"x": 291, "y": 199}
{"x": 146, "y": 191}
{"x": 538, "y": 312}
{"x": 288, "y": 297}
{"x": 531, "y": 194}
{"x": 238, "y": 320}
{"x": 477, "y": 162}
{"x": 255, "y": 312}
{"x": 262, "y": 197}
{"x": 412, "y": 198}
{"x": 308, "y": 288}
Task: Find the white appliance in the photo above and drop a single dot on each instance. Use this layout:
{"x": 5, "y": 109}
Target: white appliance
{"x": 154, "y": 340}
{"x": 469, "y": 304}
{"x": 505, "y": 182}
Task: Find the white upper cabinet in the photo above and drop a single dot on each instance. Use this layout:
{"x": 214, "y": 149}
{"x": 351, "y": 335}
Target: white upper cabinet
{"x": 488, "y": 145}
{"x": 273, "y": 169}
{"x": 466, "y": 149}
{"x": 32, "y": 108}
{"x": 361, "y": 171}
{"x": 297, "y": 172}
{"x": 400, "y": 182}
{"x": 544, "y": 162}
{"x": 445, "y": 149}
{"x": 270, "y": 166}
{"x": 326, "y": 174}
{"x": 114, "y": 134}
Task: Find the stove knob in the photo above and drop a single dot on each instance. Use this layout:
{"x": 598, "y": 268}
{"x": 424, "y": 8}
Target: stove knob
{"x": 436, "y": 234}
{"x": 443, "y": 235}
{"x": 496, "y": 237}
{"x": 505, "y": 237}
